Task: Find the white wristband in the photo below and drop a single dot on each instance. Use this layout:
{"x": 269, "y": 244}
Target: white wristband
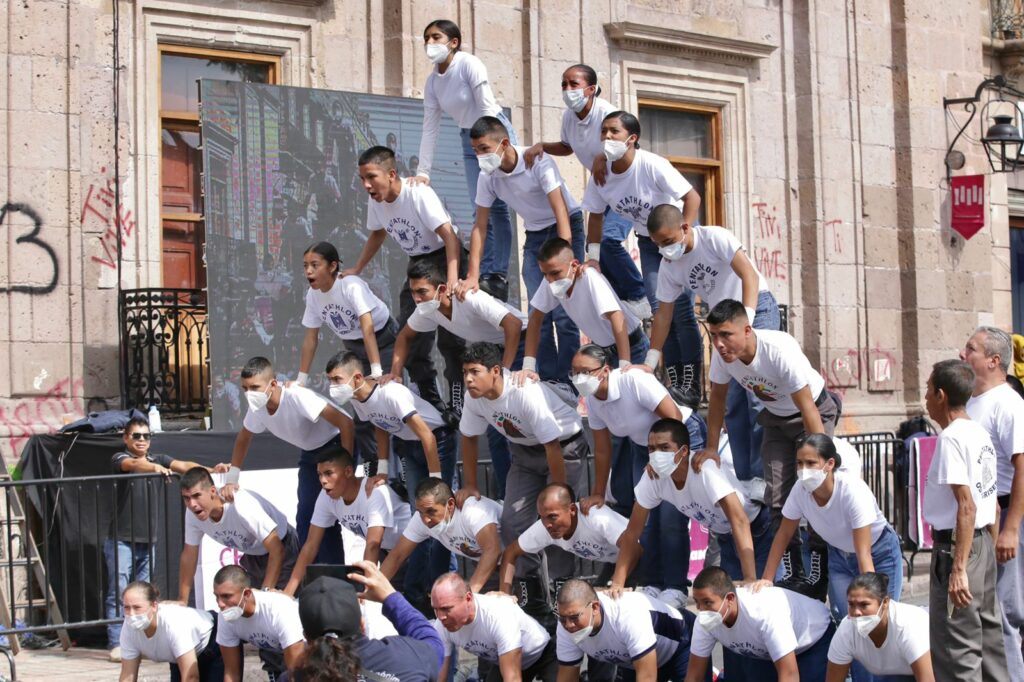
{"x": 232, "y": 476}
{"x": 529, "y": 364}
{"x": 594, "y": 252}
{"x": 751, "y": 313}
{"x": 653, "y": 358}
{"x": 376, "y": 371}
{"x": 434, "y": 474}
{"x": 623, "y": 364}
{"x": 382, "y": 467}
{"x": 302, "y": 378}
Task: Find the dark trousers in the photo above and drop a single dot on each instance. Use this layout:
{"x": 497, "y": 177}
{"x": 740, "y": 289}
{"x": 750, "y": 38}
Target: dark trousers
{"x": 256, "y": 564}
{"x": 812, "y": 663}
{"x": 366, "y": 441}
{"x": 544, "y": 669}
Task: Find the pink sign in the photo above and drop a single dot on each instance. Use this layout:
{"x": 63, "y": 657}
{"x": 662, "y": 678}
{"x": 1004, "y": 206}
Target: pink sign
{"x": 698, "y": 548}
{"x": 923, "y": 452}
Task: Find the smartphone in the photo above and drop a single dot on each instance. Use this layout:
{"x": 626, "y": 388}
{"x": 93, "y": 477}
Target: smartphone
{"x": 314, "y": 571}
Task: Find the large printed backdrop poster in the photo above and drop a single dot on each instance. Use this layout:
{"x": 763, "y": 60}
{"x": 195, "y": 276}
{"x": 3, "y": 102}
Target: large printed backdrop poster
{"x": 280, "y": 174}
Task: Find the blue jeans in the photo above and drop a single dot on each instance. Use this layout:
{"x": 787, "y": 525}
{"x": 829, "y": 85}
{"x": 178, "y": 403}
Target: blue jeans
{"x": 887, "y": 557}
{"x": 812, "y": 663}
{"x": 430, "y": 560}
{"x": 616, "y": 263}
{"x": 331, "y": 550}
{"x": 132, "y": 562}
{"x": 498, "y": 245}
{"x": 675, "y": 668}
{"x": 553, "y": 363}
{"x": 761, "y": 534}
{"x": 742, "y": 406}
{"x": 684, "y": 344}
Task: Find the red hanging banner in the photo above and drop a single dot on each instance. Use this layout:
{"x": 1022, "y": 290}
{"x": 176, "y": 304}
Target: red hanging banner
{"x": 968, "y": 200}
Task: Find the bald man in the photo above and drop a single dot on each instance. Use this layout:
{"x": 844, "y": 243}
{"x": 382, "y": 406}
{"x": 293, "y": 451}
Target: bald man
{"x": 512, "y": 645}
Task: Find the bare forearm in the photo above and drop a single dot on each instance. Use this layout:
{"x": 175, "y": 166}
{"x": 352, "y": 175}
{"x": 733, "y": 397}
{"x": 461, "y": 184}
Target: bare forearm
{"x": 309, "y": 344}
{"x": 373, "y": 244}
{"x": 716, "y": 414}
{"x": 484, "y": 568}
{"x": 965, "y": 515}
{"x": 661, "y": 324}
{"x": 476, "y": 243}
{"x": 369, "y": 338}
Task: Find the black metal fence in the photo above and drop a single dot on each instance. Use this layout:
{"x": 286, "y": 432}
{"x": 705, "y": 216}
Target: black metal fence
{"x": 164, "y": 350}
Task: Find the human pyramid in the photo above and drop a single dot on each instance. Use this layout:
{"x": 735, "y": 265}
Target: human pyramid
{"x": 809, "y": 572}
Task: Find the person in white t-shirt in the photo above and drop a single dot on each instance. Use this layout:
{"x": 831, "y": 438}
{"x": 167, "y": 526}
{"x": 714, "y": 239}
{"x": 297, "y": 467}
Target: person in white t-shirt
{"x": 594, "y": 536}
{"x": 960, "y": 504}
{"x": 475, "y": 317}
{"x": 1000, "y": 411}
{"x": 471, "y": 531}
{"x": 416, "y": 219}
{"x": 772, "y": 366}
{"x": 267, "y": 620}
{"x": 636, "y": 182}
{"x": 540, "y": 197}
{"x": 880, "y": 639}
{"x": 844, "y": 512}
{"x": 581, "y": 135}
{"x": 373, "y": 512}
{"x": 777, "y": 634}
{"x": 712, "y": 262}
{"x": 508, "y": 643}
{"x": 647, "y": 639}
{"x": 458, "y": 86}
{"x": 248, "y": 524}
{"x": 301, "y": 418}
{"x": 168, "y": 633}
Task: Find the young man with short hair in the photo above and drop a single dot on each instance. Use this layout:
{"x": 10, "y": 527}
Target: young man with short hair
{"x": 249, "y": 524}
{"x": 960, "y": 504}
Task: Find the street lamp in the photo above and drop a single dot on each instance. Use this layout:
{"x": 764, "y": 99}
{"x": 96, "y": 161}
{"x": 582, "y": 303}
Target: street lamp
{"x": 1002, "y": 140}
{"x": 1002, "y": 144}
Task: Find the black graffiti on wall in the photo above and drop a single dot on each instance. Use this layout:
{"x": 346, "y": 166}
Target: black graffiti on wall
{"x": 32, "y": 239}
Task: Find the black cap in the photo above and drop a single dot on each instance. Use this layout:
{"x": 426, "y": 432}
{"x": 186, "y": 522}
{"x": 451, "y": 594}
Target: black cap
{"x": 329, "y": 605}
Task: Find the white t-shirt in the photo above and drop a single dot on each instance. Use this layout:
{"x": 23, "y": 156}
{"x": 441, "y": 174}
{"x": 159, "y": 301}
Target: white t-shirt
{"x": 382, "y": 507}
{"x": 341, "y": 307}
{"x": 412, "y": 219}
{"x": 851, "y": 506}
{"x": 179, "y": 630}
{"x": 274, "y": 626}
{"x": 906, "y": 640}
{"x": 964, "y": 455}
{"x": 476, "y": 318}
{"x": 779, "y": 369}
{"x": 706, "y": 268}
{"x": 595, "y": 538}
{"x": 627, "y": 632}
{"x": 584, "y": 136}
{"x": 296, "y": 420}
{"x": 629, "y": 408}
{"x": 771, "y": 623}
{"x": 463, "y": 93}
{"x": 648, "y": 182}
{"x": 466, "y": 523}
{"x": 699, "y": 497}
{"x": 526, "y": 190}
{"x": 244, "y": 525}
{"x": 527, "y": 415}
{"x": 1000, "y": 411}
{"x": 498, "y": 627}
{"x": 389, "y": 406}
{"x": 587, "y": 304}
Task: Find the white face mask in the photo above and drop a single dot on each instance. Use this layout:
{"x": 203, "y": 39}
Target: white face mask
{"x": 583, "y": 633}
{"x": 257, "y": 400}
{"x": 560, "y": 287}
{"x": 709, "y": 620}
{"x": 672, "y": 251}
{"x": 428, "y": 307}
{"x": 341, "y": 393}
{"x": 441, "y": 526}
{"x": 865, "y": 624}
{"x": 586, "y": 384}
{"x": 810, "y": 479}
{"x": 233, "y": 613}
{"x": 437, "y": 52}
{"x": 614, "y": 149}
{"x": 489, "y": 162}
{"x": 575, "y": 100}
{"x": 663, "y": 463}
{"x": 139, "y": 621}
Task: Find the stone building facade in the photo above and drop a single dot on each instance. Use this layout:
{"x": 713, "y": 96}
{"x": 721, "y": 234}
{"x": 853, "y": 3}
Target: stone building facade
{"x": 825, "y": 143}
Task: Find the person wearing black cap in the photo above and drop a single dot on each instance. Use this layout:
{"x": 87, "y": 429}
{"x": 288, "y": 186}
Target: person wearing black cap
{"x": 329, "y": 608}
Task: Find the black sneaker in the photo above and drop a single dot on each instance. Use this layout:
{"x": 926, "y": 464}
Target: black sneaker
{"x": 495, "y": 284}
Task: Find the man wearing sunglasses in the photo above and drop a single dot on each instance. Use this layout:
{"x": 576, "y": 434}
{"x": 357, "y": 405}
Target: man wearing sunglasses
{"x": 127, "y": 549}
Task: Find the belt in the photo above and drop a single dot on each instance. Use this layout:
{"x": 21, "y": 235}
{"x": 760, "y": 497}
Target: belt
{"x": 571, "y": 439}
{"x": 818, "y": 402}
{"x": 1004, "y": 501}
{"x": 634, "y": 338}
{"x": 946, "y": 537}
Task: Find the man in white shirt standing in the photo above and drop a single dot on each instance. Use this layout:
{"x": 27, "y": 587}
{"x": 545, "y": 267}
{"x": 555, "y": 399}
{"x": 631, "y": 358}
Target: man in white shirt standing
{"x": 299, "y": 417}
{"x": 512, "y": 644}
{"x": 414, "y": 216}
{"x": 539, "y": 196}
{"x": 998, "y": 409}
{"x": 960, "y": 504}
{"x": 267, "y": 620}
{"x": 777, "y": 634}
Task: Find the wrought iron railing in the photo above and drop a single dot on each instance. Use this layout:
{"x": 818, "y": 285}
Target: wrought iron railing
{"x": 1007, "y": 19}
{"x": 165, "y": 350}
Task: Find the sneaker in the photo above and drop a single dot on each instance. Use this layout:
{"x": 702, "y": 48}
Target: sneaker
{"x": 674, "y": 598}
{"x": 115, "y": 655}
{"x": 640, "y": 307}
